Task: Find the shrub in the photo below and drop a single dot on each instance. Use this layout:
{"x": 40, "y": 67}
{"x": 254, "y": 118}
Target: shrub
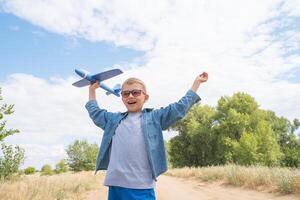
{"x": 29, "y": 170}
{"x": 46, "y": 170}
{"x": 61, "y": 167}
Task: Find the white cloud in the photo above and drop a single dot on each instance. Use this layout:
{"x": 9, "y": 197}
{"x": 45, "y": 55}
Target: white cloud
{"x": 243, "y": 45}
{"x": 292, "y": 7}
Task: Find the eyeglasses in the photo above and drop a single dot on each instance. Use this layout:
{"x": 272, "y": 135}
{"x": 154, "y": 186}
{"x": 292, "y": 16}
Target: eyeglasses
{"x": 135, "y": 93}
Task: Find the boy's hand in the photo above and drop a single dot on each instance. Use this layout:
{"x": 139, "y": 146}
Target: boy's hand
{"x": 199, "y": 79}
{"x": 92, "y": 90}
{"x": 202, "y": 77}
{"x": 94, "y": 86}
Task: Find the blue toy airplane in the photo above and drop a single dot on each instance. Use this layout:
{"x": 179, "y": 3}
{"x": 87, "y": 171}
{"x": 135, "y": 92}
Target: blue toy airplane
{"x": 90, "y": 79}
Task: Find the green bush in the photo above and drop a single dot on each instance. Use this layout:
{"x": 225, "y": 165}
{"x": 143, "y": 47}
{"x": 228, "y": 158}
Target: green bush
{"x": 46, "y": 170}
{"x": 61, "y": 167}
{"x": 29, "y": 170}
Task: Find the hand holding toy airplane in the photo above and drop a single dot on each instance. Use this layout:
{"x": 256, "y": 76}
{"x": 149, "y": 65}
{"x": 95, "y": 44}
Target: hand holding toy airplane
{"x": 90, "y": 79}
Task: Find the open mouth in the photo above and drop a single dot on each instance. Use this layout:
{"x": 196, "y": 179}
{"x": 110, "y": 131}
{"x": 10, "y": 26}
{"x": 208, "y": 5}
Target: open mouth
{"x": 132, "y": 102}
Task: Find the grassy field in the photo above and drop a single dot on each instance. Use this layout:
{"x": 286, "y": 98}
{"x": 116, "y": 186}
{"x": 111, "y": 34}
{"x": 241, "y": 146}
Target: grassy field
{"x": 281, "y": 180}
{"x": 63, "y": 186}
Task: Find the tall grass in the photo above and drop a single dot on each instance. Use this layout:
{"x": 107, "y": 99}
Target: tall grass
{"x": 281, "y": 180}
{"x": 62, "y": 186}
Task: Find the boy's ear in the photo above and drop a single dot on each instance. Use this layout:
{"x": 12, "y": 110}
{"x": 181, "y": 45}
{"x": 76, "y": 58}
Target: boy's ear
{"x": 146, "y": 97}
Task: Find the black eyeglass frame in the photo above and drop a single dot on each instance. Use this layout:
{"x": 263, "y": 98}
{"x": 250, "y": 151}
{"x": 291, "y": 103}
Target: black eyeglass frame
{"x": 134, "y": 92}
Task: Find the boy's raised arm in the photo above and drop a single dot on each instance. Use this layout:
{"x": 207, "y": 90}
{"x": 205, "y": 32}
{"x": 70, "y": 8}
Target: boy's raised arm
{"x": 92, "y": 90}
{"x": 175, "y": 111}
{"x": 99, "y": 116}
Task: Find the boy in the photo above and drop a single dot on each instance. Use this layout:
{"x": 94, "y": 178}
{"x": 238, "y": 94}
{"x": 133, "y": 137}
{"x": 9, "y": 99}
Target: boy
{"x": 132, "y": 148}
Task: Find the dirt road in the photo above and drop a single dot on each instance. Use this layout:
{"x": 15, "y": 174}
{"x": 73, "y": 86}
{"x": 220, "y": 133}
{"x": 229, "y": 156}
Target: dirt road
{"x": 170, "y": 188}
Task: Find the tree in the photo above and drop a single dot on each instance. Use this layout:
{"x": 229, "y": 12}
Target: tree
{"x": 296, "y": 125}
{"x": 236, "y": 131}
{"x": 61, "y": 167}
{"x": 268, "y": 147}
{"x": 233, "y": 114}
{"x": 179, "y": 152}
{"x": 12, "y": 157}
{"x": 291, "y": 151}
{"x": 291, "y": 157}
{"x": 82, "y": 155}
{"x": 259, "y": 147}
{"x": 29, "y": 170}
{"x": 11, "y": 160}
{"x": 284, "y": 131}
{"x": 246, "y": 150}
{"x": 196, "y": 144}
{"x": 46, "y": 170}
{"x": 5, "y": 110}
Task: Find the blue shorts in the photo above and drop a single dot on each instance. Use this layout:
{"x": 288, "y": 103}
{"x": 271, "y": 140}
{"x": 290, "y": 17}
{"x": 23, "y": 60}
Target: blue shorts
{"x": 120, "y": 193}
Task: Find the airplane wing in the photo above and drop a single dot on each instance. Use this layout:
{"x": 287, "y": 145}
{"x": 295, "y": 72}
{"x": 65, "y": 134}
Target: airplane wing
{"x": 107, "y": 74}
{"x": 82, "y": 83}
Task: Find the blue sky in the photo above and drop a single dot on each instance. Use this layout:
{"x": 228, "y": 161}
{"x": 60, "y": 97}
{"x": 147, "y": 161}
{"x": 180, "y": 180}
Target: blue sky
{"x": 26, "y": 48}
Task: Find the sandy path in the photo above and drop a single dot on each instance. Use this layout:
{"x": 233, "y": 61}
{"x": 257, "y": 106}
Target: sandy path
{"x": 175, "y": 188}
{"x": 170, "y": 188}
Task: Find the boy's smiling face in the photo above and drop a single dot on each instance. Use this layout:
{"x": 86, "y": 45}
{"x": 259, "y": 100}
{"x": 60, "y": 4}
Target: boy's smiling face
{"x": 134, "y": 103}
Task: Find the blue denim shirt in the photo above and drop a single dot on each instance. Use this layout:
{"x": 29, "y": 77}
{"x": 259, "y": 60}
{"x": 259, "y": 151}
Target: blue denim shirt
{"x": 153, "y": 122}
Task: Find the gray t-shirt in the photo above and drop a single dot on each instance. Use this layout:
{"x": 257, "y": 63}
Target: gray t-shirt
{"x": 129, "y": 166}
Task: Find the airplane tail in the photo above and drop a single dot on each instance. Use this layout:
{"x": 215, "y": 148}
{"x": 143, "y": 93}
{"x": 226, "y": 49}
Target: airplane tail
{"x": 116, "y": 89}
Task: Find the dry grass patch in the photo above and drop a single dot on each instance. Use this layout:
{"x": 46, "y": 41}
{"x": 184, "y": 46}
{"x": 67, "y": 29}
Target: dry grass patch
{"x": 62, "y": 186}
{"x": 281, "y": 180}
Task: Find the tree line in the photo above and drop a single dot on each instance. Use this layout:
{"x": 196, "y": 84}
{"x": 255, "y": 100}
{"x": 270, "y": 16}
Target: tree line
{"x": 235, "y": 131}
{"x": 81, "y": 157}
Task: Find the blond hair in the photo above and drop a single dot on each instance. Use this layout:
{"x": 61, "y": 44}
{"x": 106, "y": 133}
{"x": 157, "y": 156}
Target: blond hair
{"x": 133, "y": 80}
